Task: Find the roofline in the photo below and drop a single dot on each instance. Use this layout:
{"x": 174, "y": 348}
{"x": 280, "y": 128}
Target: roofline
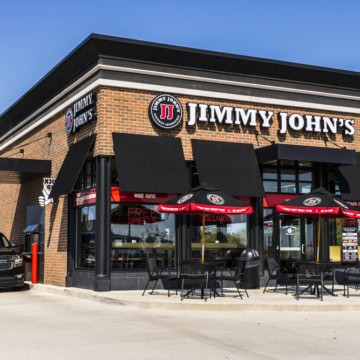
{"x": 95, "y": 46}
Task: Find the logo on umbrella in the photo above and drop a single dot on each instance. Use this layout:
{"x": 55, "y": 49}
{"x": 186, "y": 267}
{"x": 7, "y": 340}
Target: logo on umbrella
{"x": 185, "y": 198}
{"x": 313, "y": 201}
{"x": 215, "y": 199}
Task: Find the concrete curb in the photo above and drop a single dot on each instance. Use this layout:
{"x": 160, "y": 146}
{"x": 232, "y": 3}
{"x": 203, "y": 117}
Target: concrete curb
{"x": 131, "y": 300}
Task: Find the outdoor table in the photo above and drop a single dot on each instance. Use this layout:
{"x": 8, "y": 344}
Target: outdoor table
{"x": 206, "y": 268}
{"x": 320, "y": 267}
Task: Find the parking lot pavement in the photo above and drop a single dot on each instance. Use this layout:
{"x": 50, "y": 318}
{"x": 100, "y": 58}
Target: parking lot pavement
{"x": 39, "y": 325}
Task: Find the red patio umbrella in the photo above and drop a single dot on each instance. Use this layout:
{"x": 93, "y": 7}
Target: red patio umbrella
{"x": 205, "y": 199}
{"x": 319, "y": 203}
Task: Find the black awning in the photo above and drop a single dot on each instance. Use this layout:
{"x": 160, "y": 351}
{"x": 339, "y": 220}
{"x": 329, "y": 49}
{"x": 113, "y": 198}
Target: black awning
{"x": 231, "y": 167}
{"x": 150, "y": 164}
{"x": 272, "y": 153}
{"x": 71, "y": 167}
{"x": 348, "y": 178}
{"x": 18, "y": 170}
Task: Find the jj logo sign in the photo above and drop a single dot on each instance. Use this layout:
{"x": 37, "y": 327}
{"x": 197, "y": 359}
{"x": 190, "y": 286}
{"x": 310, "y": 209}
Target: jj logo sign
{"x": 166, "y": 112}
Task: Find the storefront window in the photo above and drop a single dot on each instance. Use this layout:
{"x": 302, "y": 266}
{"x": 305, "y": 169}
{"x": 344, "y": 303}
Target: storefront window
{"x": 225, "y": 236}
{"x": 136, "y": 228}
{"x": 343, "y": 239}
{"x": 286, "y": 179}
{"x": 85, "y": 250}
{"x": 268, "y": 232}
{"x": 87, "y": 176}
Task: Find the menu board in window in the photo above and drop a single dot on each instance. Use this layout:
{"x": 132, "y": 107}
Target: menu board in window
{"x": 349, "y": 243}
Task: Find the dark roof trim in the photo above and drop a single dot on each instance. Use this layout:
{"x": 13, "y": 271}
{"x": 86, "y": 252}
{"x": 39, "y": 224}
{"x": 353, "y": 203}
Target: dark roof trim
{"x": 88, "y": 53}
{"x": 271, "y": 153}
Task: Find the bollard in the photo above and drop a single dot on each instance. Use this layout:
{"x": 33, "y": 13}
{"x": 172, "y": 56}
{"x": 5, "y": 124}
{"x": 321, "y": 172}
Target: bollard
{"x": 34, "y": 264}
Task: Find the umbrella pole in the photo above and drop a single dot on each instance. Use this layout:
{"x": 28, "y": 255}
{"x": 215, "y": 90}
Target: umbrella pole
{"x": 203, "y": 239}
{"x": 318, "y": 240}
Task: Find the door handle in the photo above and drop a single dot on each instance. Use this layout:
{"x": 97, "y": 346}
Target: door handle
{"x": 303, "y": 249}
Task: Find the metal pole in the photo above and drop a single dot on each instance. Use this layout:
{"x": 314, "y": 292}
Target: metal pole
{"x": 203, "y": 239}
{"x": 318, "y": 240}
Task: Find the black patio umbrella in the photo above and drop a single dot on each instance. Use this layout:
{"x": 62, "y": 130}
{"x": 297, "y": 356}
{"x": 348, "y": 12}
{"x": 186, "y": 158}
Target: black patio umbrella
{"x": 318, "y": 203}
{"x": 205, "y": 199}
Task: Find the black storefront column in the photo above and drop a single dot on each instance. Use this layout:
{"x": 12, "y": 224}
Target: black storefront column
{"x": 102, "y": 234}
{"x": 256, "y": 229}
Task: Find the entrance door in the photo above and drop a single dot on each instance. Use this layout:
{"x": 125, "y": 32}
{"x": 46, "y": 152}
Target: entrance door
{"x": 288, "y": 238}
{"x": 290, "y": 246}
{"x": 296, "y": 239}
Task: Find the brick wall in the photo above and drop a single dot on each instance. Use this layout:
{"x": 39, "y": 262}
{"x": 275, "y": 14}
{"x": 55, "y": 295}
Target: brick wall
{"x": 122, "y": 110}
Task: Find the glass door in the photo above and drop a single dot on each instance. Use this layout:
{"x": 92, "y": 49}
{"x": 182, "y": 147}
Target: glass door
{"x": 296, "y": 239}
{"x": 290, "y": 239}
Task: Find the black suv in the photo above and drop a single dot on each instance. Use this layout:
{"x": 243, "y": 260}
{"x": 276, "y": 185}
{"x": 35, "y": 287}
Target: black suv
{"x": 11, "y": 265}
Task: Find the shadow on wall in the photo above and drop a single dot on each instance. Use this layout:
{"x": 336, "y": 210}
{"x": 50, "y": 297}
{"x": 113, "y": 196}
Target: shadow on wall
{"x": 58, "y": 228}
{"x": 28, "y": 195}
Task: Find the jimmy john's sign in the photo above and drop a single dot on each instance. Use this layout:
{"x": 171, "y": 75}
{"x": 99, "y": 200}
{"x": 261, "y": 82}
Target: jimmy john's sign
{"x": 230, "y": 116}
{"x": 166, "y": 113}
{"x": 80, "y": 113}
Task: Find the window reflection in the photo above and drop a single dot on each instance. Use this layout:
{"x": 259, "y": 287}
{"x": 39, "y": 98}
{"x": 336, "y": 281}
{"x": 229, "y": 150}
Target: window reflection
{"x": 225, "y": 236}
{"x": 136, "y": 228}
{"x": 86, "y": 239}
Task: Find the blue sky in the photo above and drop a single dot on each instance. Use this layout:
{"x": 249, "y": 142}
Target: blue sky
{"x": 35, "y": 35}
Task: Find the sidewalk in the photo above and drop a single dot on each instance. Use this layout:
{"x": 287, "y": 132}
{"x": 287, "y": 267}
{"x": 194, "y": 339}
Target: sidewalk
{"x": 257, "y": 301}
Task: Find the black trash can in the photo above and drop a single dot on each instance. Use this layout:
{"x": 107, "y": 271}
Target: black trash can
{"x": 252, "y": 268}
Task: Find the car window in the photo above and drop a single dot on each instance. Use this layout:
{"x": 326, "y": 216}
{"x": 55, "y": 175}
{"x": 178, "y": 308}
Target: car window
{"x": 3, "y": 242}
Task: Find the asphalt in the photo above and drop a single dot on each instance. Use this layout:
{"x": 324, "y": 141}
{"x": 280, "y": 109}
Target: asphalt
{"x": 257, "y": 301}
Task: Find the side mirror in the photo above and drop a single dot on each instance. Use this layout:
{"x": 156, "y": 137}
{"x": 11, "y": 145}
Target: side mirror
{"x": 15, "y": 247}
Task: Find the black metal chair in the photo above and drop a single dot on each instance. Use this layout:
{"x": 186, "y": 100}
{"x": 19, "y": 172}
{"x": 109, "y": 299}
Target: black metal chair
{"x": 194, "y": 275}
{"x": 313, "y": 280}
{"x": 235, "y": 275}
{"x": 351, "y": 276}
{"x": 157, "y": 273}
{"x": 278, "y": 273}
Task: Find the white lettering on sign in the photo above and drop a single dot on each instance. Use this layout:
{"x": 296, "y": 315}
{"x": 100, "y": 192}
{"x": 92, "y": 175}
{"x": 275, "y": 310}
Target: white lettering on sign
{"x": 227, "y": 116}
{"x": 144, "y": 196}
{"x": 314, "y": 123}
{"x": 82, "y": 112}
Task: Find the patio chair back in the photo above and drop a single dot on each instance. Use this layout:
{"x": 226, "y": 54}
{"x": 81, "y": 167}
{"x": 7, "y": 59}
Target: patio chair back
{"x": 309, "y": 276}
{"x": 240, "y": 269}
{"x": 151, "y": 265}
{"x": 271, "y": 265}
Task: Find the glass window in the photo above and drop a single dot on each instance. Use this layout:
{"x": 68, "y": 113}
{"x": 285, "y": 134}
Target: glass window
{"x": 288, "y": 174}
{"x": 305, "y": 175}
{"x": 270, "y": 174}
{"x": 270, "y": 186}
{"x": 4, "y": 243}
{"x": 268, "y": 232}
{"x": 288, "y": 187}
{"x": 225, "y": 236}
{"x": 87, "y": 176}
{"x": 136, "y": 228}
{"x": 85, "y": 249}
{"x": 286, "y": 179}
{"x": 305, "y": 188}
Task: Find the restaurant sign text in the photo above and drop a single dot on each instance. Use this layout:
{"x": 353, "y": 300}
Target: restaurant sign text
{"x": 200, "y": 113}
